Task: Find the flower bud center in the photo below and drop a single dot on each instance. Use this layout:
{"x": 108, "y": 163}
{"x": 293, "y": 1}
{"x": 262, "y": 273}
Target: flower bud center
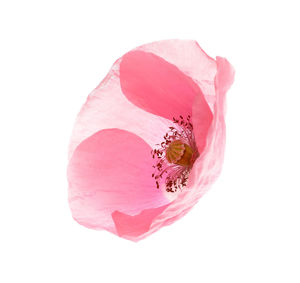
{"x": 179, "y": 153}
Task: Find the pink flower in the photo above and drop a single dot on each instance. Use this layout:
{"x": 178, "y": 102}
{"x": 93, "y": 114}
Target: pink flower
{"x": 149, "y": 141}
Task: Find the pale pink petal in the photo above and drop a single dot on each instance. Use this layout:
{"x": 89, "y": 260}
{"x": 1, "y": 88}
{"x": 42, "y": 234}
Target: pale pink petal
{"x": 111, "y": 171}
{"x": 190, "y": 59}
{"x": 107, "y": 107}
{"x": 224, "y": 79}
{"x": 208, "y": 167}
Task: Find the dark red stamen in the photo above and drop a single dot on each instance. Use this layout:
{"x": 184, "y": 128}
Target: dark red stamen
{"x": 176, "y": 175}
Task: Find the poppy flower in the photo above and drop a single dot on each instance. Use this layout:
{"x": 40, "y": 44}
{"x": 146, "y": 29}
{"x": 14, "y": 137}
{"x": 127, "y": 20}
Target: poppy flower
{"x": 149, "y": 141}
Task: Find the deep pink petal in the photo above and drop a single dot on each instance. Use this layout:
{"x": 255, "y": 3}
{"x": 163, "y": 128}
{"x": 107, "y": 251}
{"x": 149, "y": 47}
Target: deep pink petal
{"x": 131, "y": 227}
{"x": 111, "y": 171}
{"x": 201, "y": 118}
{"x": 153, "y": 84}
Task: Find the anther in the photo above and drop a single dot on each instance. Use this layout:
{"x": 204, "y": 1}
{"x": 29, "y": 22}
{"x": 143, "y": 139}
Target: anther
{"x": 176, "y": 155}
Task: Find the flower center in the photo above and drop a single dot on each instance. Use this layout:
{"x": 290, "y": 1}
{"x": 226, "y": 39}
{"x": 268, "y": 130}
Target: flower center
{"x": 176, "y": 156}
{"x": 179, "y": 153}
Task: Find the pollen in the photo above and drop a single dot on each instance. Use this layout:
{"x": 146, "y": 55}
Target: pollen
{"x": 175, "y": 156}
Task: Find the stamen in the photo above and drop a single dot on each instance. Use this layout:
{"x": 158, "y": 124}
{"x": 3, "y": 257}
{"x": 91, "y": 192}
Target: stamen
{"x": 175, "y": 156}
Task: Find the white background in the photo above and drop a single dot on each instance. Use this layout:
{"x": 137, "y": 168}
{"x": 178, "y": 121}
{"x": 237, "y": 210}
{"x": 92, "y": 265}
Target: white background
{"x": 246, "y": 229}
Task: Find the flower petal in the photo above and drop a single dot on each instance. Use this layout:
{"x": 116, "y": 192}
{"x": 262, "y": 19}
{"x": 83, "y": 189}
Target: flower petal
{"x": 101, "y": 202}
{"x": 225, "y": 76}
{"x": 111, "y": 171}
{"x": 206, "y": 168}
{"x": 201, "y": 118}
{"x": 131, "y": 227}
{"x": 190, "y": 59}
{"x": 158, "y": 87}
{"x": 106, "y": 107}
